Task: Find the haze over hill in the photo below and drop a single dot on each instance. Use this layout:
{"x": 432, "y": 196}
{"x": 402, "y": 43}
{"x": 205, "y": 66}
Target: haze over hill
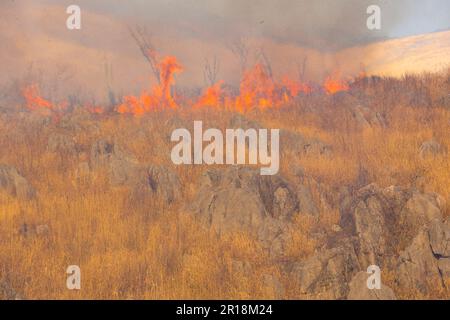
{"x": 34, "y": 34}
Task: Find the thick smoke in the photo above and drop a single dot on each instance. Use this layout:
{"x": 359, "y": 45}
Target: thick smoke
{"x": 289, "y": 32}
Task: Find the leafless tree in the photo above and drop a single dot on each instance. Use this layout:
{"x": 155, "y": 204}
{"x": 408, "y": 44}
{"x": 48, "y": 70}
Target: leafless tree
{"x": 265, "y": 62}
{"x": 108, "y": 70}
{"x": 240, "y": 49}
{"x": 301, "y": 68}
{"x": 211, "y": 70}
{"x": 145, "y": 44}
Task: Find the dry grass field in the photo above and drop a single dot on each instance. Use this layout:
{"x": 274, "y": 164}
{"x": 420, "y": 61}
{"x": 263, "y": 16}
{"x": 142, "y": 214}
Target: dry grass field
{"x": 132, "y": 246}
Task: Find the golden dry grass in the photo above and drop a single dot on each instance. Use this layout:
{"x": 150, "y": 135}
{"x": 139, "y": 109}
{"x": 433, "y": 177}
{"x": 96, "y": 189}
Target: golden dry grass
{"x": 154, "y": 251}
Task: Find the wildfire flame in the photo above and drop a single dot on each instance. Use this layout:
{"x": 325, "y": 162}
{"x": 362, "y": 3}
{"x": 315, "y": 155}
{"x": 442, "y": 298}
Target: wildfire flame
{"x": 212, "y": 97}
{"x": 333, "y": 85}
{"x": 33, "y": 99}
{"x": 258, "y": 89}
{"x": 35, "y": 102}
{"x": 161, "y": 95}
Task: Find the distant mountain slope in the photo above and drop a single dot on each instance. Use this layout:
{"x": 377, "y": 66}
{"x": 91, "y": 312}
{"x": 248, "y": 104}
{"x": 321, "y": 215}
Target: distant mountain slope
{"x": 427, "y": 52}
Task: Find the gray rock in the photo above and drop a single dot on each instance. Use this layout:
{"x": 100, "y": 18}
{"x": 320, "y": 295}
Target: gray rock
{"x": 15, "y": 184}
{"x": 122, "y": 168}
{"x": 59, "y": 143}
{"x": 367, "y": 117}
{"x": 8, "y": 293}
{"x": 326, "y": 274}
{"x": 418, "y": 268}
{"x": 30, "y": 230}
{"x": 164, "y": 183}
{"x": 365, "y": 218}
{"x": 430, "y": 149}
{"x": 360, "y": 291}
{"x": 440, "y": 238}
{"x": 273, "y": 285}
{"x": 239, "y": 121}
{"x": 306, "y": 201}
{"x": 240, "y": 199}
{"x": 383, "y": 219}
{"x": 444, "y": 268}
{"x": 300, "y": 145}
{"x": 420, "y": 210}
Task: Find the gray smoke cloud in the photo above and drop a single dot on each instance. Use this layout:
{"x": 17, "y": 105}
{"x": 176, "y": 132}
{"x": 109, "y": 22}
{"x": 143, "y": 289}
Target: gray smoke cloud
{"x": 322, "y": 24}
{"x": 33, "y": 32}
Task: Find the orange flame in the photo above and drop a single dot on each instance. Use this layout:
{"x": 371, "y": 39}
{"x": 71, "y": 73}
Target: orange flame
{"x": 33, "y": 99}
{"x": 294, "y": 87}
{"x": 161, "y": 95}
{"x": 256, "y": 90}
{"x": 333, "y": 85}
{"x": 212, "y": 96}
{"x": 35, "y": 102}
{"x": 95, "y": 109}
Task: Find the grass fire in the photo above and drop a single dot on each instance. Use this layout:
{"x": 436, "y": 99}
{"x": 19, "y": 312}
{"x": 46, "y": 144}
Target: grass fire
{"x": 88, "y": 124}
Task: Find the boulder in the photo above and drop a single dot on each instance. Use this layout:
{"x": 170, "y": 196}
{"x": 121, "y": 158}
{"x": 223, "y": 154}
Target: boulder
{"x": 327, "y": 273}
{"x": 367, "y": 117}
{"x": 384, "y": 220}
{"x": 431, "y": 149}
{"x": 15, "y": 184}
{"x": 238, "y": 121}
{"x": 40, "y": 230}
{"x": 273, "y": 286}
{"x": 239, "y": 199}
{"x": 418, "y": 269}
{"x": 365, "y": 217}
{"x": 444, "y": 268}
{"x": 439, "y": 233}
{"x": 163, "y": 182}
{"x": 8, "y": 293}
{"x": 301, "y": 145}
{"x": 360, "y": 291}
{"x": 121, "y": 167}
{"x": 60, "y": 143}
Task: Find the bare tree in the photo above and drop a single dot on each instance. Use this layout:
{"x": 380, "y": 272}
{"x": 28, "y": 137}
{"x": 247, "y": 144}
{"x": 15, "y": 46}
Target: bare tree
{"x": 301, "y": 69}
{"x": 108, "y": 70}
{"x": 241, "y": 50}
{"x": 211, "y": 70}
{"x": 265, "y": 62}
{"x": 145, "y": 44}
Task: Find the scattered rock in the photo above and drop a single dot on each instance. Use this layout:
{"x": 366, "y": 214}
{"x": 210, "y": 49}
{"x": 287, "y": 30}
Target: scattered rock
{"x": 431, "y": 149}
{"x": 164, "y": 183}
{"x": 327, "y": 273}
{"x": 240, "y": 199}
{"x": 367, "y": 117}
{"x": 59, "y": 143}
{"x": 122, "y": 168}
{"x": 27, "y": 230}
{"x": 238, "y": 121}
{"x": 360, "y": 291}
{"x": 300, "y": 145}
{"x": 440, "y": 238}
{"x": 15, "y": 184}
{"x": 8, "y": 293}
{"x": 418, "y": 268}
{"x": 444, "y": 268}
{"x": 382, "y": 220}
{"x": 274, "y": 286}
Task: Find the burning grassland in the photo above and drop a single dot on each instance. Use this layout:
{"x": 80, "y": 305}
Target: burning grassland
{"x": 97, "y": 188}
{"x": 258, "y": 89}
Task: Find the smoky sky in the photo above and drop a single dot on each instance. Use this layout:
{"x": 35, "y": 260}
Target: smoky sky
{"x": 331, "y": 35}
{"x": 321, "y": 24}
